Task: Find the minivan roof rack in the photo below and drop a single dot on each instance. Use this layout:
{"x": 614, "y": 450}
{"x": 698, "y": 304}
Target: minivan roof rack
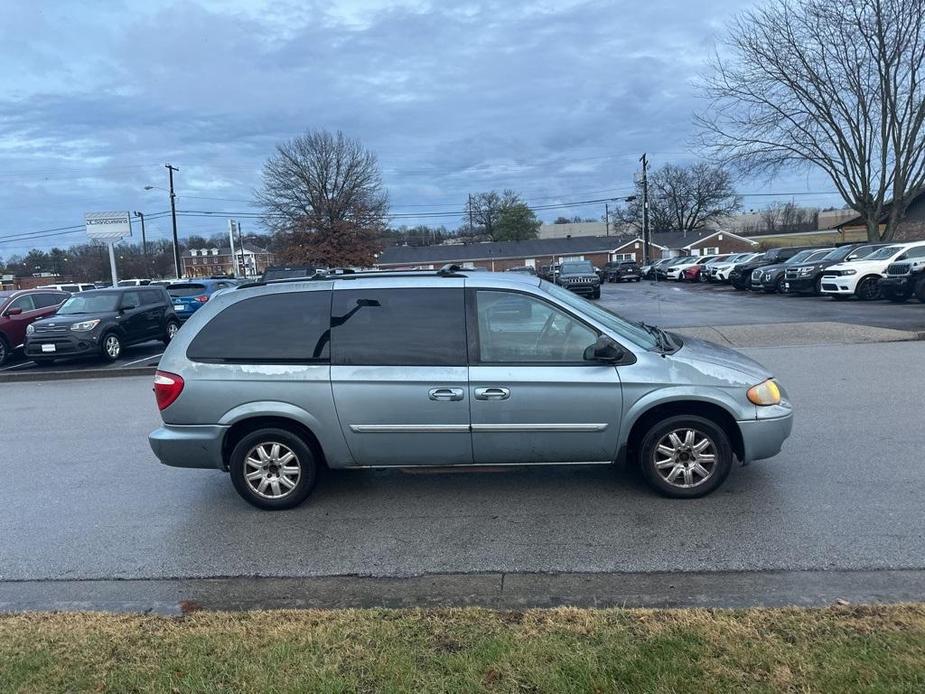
{"x": 445, "y": 271}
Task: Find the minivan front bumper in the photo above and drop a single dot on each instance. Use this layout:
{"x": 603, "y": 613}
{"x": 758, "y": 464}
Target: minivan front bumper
{"x": 197, "y": 446}
{"x": 763, "y": 438}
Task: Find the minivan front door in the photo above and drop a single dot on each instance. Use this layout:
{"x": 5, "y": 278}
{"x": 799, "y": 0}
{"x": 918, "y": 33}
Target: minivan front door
{"x": 399, "y": 374}
{"x": 534, "y": 397}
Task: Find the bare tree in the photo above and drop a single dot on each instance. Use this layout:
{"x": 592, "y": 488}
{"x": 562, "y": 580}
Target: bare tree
{"x": 322, "y": 194}
{"x": 833, "y": 85}
{"x": 684, "y": 198}
{"x": 484, "y": 209}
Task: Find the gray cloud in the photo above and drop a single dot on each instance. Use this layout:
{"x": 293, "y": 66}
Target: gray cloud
{"x": 554, "y": 99}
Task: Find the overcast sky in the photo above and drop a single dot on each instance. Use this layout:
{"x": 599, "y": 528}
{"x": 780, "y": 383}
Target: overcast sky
{"x": 554, "y": 99}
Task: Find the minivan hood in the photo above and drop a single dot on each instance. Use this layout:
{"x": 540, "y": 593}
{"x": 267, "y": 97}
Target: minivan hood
{"x": 721, "y": 363}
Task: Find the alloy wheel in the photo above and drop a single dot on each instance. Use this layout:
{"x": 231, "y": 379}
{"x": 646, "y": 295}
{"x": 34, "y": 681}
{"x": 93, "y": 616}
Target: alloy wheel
{"x": 112, "y": 346}
{"x": 685, "y": 458}
{"x": 272, "y": 470}
{"x": 172, "y": 330}
{"x": 869, "y": 289}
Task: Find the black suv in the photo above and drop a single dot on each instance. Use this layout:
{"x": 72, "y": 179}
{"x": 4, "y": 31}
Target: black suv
{"x": 622, "y": 271}
{"x": 579, "y": 276}
{"x": 741, "y": 275}
{"x": 102, "y": 322}
{"x": 770, "y": 278}
{"x": 905, "y": 277}
{"x": 806, "y": 277}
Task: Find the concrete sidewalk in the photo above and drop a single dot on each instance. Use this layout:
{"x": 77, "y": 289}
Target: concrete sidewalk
{"x": 797, "y": 334}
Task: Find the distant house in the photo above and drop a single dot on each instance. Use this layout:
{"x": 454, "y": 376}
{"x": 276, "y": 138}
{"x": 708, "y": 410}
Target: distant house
{"x": 911, "y": 228}
{"x": 535, "y": 253}
{"x": 205, "y": 262}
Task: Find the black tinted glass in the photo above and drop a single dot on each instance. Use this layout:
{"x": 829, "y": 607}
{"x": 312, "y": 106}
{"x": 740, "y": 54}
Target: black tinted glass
{"x": 275, "y": 328}
{"x": 46, "y": 300}
{"x": 399, "y": 327}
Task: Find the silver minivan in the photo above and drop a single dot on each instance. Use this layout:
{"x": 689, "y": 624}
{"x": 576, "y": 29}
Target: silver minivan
{"x": 272, "y": 380}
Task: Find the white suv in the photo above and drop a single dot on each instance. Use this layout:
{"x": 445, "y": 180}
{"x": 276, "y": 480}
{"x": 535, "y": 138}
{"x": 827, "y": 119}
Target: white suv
{"x": 862, "y": 277}
{"x": 721, "y": 271}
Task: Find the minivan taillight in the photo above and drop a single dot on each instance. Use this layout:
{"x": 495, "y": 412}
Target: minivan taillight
{"x": 202, "y": 298}
{"x": 167, "y": 388}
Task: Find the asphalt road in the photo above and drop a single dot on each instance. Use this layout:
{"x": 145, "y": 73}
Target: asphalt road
{"x": 677, "y": 305}
{"x": 84, "y": 496}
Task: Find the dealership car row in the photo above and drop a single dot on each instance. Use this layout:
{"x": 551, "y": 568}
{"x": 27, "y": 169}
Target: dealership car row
{"x": 867, "y": 271}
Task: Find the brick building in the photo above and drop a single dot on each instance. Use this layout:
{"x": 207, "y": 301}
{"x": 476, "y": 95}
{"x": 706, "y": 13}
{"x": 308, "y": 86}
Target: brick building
{"x": 499, "y": 256}
{"x": 205, "y": 262}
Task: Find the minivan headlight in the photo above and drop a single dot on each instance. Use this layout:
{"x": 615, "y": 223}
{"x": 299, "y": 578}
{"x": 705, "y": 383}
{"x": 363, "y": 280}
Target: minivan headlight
{"x": 767, "y": 393}
{"x": 83, "y": 326}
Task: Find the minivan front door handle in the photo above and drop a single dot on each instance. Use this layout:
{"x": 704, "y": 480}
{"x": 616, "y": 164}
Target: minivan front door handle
{"x": 446, "y": 393}
{"x": 492, "y": 393}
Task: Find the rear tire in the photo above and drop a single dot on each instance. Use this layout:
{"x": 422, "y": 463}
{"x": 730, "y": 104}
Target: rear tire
{"x": 170, "y": 331}
{"x": 4, "y": 351}
{"x": 245, "y": 461}
{"x": 677, "y": 470}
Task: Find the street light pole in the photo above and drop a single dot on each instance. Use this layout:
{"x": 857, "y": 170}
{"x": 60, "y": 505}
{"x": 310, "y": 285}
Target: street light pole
{"x": 173, "y": 217}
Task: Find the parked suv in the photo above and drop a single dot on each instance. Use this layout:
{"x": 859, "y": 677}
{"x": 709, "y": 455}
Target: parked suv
{"x": 622, "y": 271}
{"x": 719, "y": 272}
{"x": 272, "y": 381}
{"x": 20, "y": 309}
{"x": 741, "y": 274}
{"x": 861, "y": 278}
{"x": 101, "y": 323}
{"x": 806, "y": 277}
{"x": 579, "y": 276}
{"x": 770, "y": 278}
{"x": 904, "y": 278}
{"x": 188, "y": 296}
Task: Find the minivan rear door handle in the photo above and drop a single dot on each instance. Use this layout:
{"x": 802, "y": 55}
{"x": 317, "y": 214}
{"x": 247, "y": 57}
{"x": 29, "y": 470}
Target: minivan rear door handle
{"x": 492, "y": 393}
{"x": 446, "y": 393}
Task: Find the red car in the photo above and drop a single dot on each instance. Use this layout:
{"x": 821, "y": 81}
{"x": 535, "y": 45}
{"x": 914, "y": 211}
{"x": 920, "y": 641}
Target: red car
{"x": 20, "y": 308}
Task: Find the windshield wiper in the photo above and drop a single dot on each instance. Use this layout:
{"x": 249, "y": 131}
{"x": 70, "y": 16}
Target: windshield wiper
{"x": 662, "y": 339}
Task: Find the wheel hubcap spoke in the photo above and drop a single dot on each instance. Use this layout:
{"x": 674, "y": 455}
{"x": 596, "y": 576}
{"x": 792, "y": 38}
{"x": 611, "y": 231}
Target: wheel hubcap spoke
{"x": 272, "y": 470}
{"x": 685, "y": 458}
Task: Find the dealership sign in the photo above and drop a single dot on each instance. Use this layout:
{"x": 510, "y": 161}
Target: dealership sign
{"x": 108, "y": 226}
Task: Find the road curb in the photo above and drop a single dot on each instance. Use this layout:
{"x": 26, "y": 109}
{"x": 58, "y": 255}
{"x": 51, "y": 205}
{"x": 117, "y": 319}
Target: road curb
{"x": 498, "y": 590}
{"x": 76, "y": 374}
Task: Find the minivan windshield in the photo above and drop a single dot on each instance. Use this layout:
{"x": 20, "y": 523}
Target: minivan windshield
{"x": 90, "y": 303}
{"x": 633, "y": 332}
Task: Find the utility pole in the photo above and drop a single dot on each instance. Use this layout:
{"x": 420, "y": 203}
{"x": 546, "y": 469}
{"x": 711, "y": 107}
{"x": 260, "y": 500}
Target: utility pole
{"x": 645, "y": 209}
{"x": 241, "y": 248}
{"x": 470, "y": 214}
{"x": 607, "y": 218}
{"x": 144, "y": 242}
{"x": 173, "y": 217}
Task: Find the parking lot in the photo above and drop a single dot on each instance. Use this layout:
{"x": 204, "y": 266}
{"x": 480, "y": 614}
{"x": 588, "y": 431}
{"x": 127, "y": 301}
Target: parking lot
{"x": 667, "y": 304}
{"x": 842, "y": 495}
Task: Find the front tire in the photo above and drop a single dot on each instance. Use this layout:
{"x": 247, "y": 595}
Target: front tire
{"x": 685, "y": 456}
{"x": 111, "y": 347}
{"x": 273, "y": 469}
{"x": 868, "y": 289}
{"x": 4, "y": 351}
{"x": 898, "y": 297}
{"x": 920, "y": 290}
{"x": 596, "y": 294}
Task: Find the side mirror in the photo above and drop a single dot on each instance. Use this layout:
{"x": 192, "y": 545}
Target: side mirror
{"x": 13, "y": 311}
{"x": 605, "y": 350}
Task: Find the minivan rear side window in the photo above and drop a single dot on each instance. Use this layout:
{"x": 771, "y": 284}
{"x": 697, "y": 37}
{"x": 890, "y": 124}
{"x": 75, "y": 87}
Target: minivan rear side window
{"x": 399, "y": 327}
{"x": 289, "y": 328}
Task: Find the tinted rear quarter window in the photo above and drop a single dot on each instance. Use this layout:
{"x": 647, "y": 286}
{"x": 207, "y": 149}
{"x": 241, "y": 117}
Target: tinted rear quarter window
{"x": 269, "y": 329}
{"x": 399, "y": 327}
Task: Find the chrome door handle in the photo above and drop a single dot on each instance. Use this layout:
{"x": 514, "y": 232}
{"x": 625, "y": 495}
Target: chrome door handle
{"x": 446, "y": 393}
{"x": 492, "y": 393}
